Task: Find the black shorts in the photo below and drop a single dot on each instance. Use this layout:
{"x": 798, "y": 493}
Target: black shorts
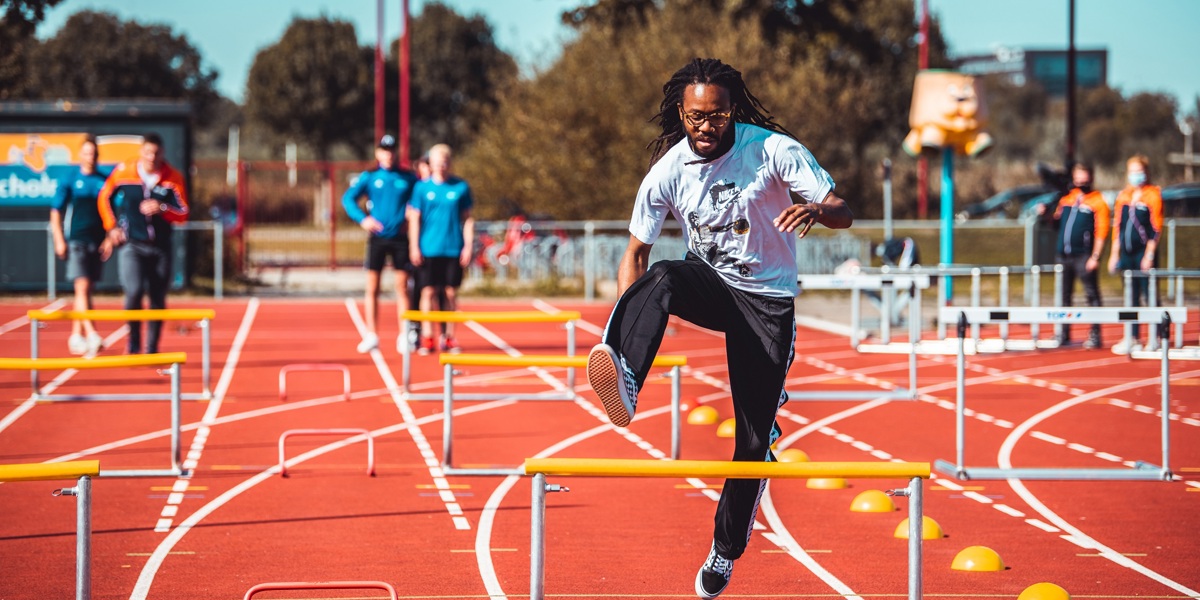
{"x": 440, "y": 271}
{"x": 83, "y": 261}
{"x": 379, "y": 248}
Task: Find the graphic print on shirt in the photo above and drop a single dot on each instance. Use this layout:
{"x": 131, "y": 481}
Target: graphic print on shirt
{"x": 723, "y": 196}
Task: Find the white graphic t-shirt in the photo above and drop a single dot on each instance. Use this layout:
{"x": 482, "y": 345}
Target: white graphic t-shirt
{"x": 727, "y": 206}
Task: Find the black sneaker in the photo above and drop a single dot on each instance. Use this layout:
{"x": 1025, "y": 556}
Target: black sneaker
{"x": 614, "y": 382}
{"x": 1092, "y": 342}
{"x": 713, "y": 575}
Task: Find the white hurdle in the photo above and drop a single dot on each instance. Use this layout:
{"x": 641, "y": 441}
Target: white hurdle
{"x": 1158, "y": 317}
{"x": 885, "y": 284}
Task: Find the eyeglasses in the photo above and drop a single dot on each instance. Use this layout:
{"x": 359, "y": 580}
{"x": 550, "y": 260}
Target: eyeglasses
{"x": 697, "y": 118}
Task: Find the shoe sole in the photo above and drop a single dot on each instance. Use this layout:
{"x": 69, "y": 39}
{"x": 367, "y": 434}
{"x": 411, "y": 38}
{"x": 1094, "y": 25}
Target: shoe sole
{"x": 604, "y": 376}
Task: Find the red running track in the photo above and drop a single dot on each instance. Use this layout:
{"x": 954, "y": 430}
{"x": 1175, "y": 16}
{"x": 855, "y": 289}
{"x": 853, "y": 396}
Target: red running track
{"x": 236, "y": 523}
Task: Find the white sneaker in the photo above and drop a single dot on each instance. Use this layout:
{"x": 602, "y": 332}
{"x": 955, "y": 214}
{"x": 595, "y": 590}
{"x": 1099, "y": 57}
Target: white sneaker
{"x": 1126, "y": 346}
{"x": 94, "y": 343}
{"x": 614, "y": 383}
{"x": 369, "y": 343}
{"x": 77, "y": 344}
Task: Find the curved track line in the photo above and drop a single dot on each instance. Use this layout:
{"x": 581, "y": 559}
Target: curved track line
{"x": 1004, "y": 459}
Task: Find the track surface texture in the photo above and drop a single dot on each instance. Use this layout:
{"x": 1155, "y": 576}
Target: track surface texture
{"x": 235, "y": 522}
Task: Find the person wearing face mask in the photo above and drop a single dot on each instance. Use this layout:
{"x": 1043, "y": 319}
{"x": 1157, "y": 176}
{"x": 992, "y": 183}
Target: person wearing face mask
{"x": 1082, "y": 217}
{"x": 1137, "y": 223}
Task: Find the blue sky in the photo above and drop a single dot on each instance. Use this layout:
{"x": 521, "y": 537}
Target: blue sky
{"x": 1152, "y": 44}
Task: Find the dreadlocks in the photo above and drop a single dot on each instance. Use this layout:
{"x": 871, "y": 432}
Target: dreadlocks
{"x": 707, "y": 71}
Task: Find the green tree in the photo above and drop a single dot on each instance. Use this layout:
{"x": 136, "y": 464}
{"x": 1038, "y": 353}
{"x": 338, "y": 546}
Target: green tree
{"x": 18, "y": 21}
{"x": 97, "y": 55}
{"x": 314, "y": 85}
{"x": 457, "y": 71}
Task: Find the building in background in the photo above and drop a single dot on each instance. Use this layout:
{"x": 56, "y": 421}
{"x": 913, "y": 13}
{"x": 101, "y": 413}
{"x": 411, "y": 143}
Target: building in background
{"x": 1047, "y": 68}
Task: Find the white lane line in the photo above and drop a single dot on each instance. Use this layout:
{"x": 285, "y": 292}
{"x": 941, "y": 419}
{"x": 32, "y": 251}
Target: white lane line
{"x": 1008, "y": 510}
{"x": 1044, "y": 526}
{"x": 1004, "y": 460}
{"x": 142, "y": 588}
{"x": 406, "y": 413}
{"x": 580, "y": 325}
{"x": 196, "y": 450}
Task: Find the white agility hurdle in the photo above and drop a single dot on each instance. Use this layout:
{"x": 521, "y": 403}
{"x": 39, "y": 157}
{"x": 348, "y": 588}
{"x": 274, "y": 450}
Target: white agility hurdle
{"x": 1159, "y": 317}
{"x": 202, "y": 316}
{"x": 539, "y": 468}
{"x": 885, "y": 284}
{"x": 566, "y": 318}
{"x": 449, "y": 361}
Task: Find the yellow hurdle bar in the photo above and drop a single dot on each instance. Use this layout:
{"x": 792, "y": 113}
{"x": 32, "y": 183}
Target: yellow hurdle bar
{"x": 161, "y": 314}
{"x": 524, "y": 316}
{"x": 540, "y": 360}
{"x": 99, "y": 362}
{"x": 50, "y": 471}
{"x": 615, "y": 467}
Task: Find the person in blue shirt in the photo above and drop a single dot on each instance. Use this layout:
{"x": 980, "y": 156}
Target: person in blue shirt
{"x": 388, "y": 190}
{"x": 441, "y": 235}
{"x": 79, "y": 239}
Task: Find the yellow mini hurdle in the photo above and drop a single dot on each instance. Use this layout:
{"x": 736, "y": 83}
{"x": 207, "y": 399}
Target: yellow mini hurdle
{"x": 171, "y": 360}
{"x": 203, "y": 316}
{"x": 83, "y": 471}
{"x": 449, "y": 361}
{"x": 539, "y": 468}
{"x": 567, "y": 318}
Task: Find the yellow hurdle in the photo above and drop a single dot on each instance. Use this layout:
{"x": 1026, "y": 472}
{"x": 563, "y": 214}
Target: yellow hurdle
{"x": 512, "y": 316}
{"x": 153, "y": 314}
{"x": 99, "y": 362}
{"x": 50, "y": 471}
{"x": 539, "y": 468}
{"x": 449, "y": 361}
{"x": 540, "y": 360}
{"x": 617, "y": 467}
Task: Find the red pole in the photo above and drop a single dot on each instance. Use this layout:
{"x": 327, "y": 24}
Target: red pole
{"x": 405, "y": 39}
{"x": 243, "y": 203}
{"x": 332, "y": 218}
{"x": 379, "y": 72}
{"x": 923, "y": 161}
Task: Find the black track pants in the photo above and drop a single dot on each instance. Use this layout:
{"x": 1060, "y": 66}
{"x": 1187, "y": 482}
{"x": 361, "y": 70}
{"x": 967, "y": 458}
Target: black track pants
{"x": 145, "y": 271}
{"x": 760, "y": 333}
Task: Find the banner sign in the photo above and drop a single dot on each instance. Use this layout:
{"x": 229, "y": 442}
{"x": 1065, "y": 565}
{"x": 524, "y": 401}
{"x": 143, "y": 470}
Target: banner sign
{"x": 33, "y": 164}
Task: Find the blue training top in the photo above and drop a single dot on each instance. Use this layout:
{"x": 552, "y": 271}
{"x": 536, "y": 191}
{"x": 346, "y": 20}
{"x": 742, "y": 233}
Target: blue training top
{"x": 388, "y": 192}
{"x": 441, "y": 206}
{"x": 76, "y": 201}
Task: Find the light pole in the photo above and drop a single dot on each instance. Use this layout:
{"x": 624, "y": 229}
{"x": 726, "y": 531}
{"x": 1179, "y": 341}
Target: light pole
{"x": 379, "y": 72}
{"x": 405, "y": 40}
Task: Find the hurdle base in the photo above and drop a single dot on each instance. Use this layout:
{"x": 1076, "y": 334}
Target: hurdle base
{"x": 1142, "y": 472}
{"x": 114, "y": 397}
{"x": 896, "y": 394}
{"x": 1185, "y": 353}
{"x": 440, "y": 396}
{"x": 146, "y": 473}
{"x": 448, "y": 470}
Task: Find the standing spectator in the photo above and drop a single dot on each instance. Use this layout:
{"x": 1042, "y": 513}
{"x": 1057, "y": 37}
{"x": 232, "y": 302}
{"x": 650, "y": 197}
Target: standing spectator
{"x": 388, "y": 190}
{"x": 1082, "y": 217}
{"x": 138, "y": 204}
{"x": 78, "y": 238}
{"x": 1137, "y": 223}
{"x": 743, "y": 189}
{"x": 441, "y": 235}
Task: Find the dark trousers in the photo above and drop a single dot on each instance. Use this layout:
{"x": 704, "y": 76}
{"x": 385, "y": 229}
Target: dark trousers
{"x": 145, "y": 271}
{"x": 1140, "y": 285}
{"x": 1075, "y": 267}
{"x": 760, "y": 333}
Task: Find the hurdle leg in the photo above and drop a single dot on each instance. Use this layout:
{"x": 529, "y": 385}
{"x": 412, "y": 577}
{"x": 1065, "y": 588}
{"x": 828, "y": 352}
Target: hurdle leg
{"x": 33, "y": 353}
{"x": 1165, "y": 327}
{"x": 1035, "y": 299}
{"x": 855, "y": 316}
{"x": 571, "y": 352}
{"x": 1152, "y": 301}
{"x": 206, "y": 357}
{"x": 885, "y": 311}
{"x": 676, "y": 389}
{"x": 916, "y": 527}
{"x": 1127, "y": 328}
{"x": 447, "y": 414}
{"x": 914, "y": 338}
{"x": 1004, "y": 303}
{"x": 537, "y": 539}
{"x": 176, "y": 418}
{"x": 960, "y": 394}
{"x": 83, "y": 535}
{"x": 405, "y": 359}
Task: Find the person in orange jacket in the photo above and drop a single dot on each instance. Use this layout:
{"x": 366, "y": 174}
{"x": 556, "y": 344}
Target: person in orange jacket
{"x": 1083, "y": 221}
{"x": 1137, "y": 224}
{"x": 138, "y": 205}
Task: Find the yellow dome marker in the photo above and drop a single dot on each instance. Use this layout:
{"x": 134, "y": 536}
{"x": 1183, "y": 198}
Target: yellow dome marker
{"x": 930, "y": 530}
{"x": 872, "y": 501}
{"x": 827, "y": 483}
{"x": 789, "y": 455}
{"x": 727, "y": 428}
{"x": 1044, "y": 591}
{"x": 977, "y": 558}
{"x": 703, "y": 415}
